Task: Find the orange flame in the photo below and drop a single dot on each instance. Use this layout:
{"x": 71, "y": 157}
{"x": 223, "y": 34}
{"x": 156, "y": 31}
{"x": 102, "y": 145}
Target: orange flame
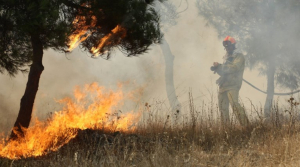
{"x": 104, "y": 40}
{"x": 82, "y": 32}
{"x": 93, "y": 108}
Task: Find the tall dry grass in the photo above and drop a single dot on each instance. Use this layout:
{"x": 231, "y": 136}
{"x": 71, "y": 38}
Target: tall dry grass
{"x": 193, "y": 139}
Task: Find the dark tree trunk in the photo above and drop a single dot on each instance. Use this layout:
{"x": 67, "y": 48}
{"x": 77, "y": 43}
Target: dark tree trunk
{"x": 27, "y": 101}
{"x": 270, "y": 91}
{"x": 169, "y": 65}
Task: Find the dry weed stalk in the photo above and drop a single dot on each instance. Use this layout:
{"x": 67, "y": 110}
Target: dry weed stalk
{"x": 198, "y": 141}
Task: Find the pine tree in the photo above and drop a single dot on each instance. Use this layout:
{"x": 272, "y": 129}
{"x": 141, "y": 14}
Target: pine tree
{"x": 28, "y": 27}
{"x": 169, "y": 18}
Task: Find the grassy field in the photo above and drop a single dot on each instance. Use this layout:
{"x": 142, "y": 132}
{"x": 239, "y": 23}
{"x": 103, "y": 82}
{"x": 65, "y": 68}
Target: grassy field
{"x": 197, "y": 140}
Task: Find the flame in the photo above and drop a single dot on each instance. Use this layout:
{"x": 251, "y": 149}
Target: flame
{"x": 91, "y": 108}
{"x": 105, "y": 40}
{"x": 81, "y": 33}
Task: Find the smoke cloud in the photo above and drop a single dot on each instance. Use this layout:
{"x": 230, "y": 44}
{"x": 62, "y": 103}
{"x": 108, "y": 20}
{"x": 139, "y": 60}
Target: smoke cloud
{"x": 194, "y": 43}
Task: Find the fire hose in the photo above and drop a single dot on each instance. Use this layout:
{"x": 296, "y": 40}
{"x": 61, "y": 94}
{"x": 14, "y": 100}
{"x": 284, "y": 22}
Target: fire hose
{"x": 279, "y": 94}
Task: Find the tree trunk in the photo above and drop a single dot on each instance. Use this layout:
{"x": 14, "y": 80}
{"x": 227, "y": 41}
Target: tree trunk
{"x": 270, "y": 91}
{"x": 27, "y": 101}
{"x": 169, "y": 65}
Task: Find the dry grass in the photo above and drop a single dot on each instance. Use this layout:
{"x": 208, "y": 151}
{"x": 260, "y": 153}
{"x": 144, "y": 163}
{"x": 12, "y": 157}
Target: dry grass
{"x": 196, "y": 139}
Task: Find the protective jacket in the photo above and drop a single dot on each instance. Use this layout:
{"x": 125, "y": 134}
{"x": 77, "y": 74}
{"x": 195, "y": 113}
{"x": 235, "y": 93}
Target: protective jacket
{"x": 231, "y": 72}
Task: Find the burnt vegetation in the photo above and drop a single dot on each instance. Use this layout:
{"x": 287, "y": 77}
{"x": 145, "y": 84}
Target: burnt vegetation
{"x": 198, "y": 141}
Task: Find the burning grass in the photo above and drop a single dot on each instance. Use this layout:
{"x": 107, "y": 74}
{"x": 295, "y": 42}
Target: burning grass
{"x": 195, "y": 139}
{"x": 92, "y": 108}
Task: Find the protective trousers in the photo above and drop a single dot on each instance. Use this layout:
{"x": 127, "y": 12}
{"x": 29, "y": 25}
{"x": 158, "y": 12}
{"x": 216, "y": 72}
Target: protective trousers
{"x": 231, "y": 96}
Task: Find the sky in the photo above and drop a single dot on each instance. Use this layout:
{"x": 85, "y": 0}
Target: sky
{"x": 194, "y": 44}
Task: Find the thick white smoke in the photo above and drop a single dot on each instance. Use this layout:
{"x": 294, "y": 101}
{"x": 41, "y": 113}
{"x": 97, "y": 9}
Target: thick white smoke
{"x": 194, "y": 44}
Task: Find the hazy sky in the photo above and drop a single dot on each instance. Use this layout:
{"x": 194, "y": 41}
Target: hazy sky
{"x": 194, "y": 45}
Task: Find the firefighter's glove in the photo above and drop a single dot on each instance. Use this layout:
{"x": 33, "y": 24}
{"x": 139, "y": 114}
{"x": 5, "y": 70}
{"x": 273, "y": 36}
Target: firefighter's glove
{"x": 213, "y": 68}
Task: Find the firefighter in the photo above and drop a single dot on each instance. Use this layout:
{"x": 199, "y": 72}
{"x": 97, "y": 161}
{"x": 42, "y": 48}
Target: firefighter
{"x": 230, "y": 81}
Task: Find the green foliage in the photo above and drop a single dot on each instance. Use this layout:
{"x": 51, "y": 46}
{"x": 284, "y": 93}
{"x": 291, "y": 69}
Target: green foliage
{"x": 52, "y": 21}
{"x": 140, "y": 21}
{"x": 267, "y": 30}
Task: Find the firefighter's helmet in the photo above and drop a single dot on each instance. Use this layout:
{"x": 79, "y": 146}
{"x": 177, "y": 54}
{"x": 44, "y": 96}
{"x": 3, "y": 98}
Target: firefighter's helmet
{"x": 229, "y": 41}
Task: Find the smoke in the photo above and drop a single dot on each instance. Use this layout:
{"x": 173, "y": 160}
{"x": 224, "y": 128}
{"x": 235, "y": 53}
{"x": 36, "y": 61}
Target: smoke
{"x": 195, "y": 43}
{"x": 267, "y": 32}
